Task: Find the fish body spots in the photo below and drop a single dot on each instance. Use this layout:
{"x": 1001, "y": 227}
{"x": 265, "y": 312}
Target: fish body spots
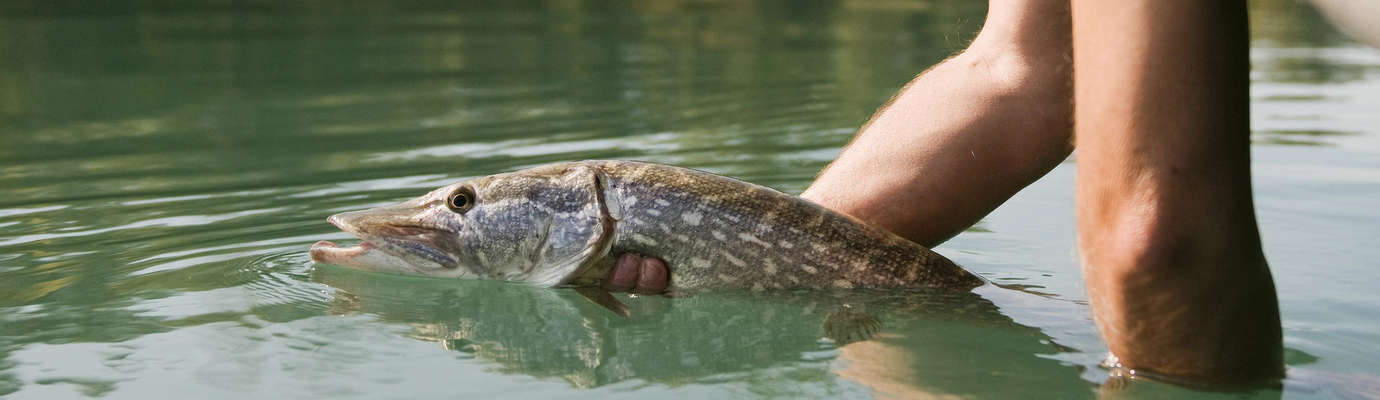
{"x": 748, "y": 237}
{"x": 819, "y": 247}
{"x": 708, "y": 226}
{"x": 734, "y": 260}
{"x": 643, "y": 239}
{"x": 840, "y": 283}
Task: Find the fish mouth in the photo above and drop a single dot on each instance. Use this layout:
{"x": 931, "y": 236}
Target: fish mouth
{"x": 383, "y": 246}
{"x": 328, "y": 252}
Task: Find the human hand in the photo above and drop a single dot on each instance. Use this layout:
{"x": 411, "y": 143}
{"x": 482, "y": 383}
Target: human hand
{"x": 638, "y": 273}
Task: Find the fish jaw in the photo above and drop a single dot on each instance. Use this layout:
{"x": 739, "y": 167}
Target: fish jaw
{"x": 393, "y": 241}
{"x": 365, "y": 256}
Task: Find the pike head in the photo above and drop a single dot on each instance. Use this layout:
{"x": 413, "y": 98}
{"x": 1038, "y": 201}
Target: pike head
{"x": 543, "y": 226}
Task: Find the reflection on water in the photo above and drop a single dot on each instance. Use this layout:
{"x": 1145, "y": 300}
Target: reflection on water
{"x": 164, "y": 168}
{"x": 710, "y": 336}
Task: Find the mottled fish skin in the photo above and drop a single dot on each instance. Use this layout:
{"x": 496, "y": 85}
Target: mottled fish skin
{"x": 716, "y": 232}
{"x": 562, "y": 225}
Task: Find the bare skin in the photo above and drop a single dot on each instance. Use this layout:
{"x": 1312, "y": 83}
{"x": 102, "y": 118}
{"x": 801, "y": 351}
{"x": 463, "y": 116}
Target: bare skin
{"x": 638, "y": 273}
{"x": 964, "y": 136}
{"x": 1167, "y": 233}
{"x": 1167, "y": 229}
{"x": 1003, "y": 120}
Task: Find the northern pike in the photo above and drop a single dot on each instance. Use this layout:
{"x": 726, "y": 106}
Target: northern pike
{"x": 564, "y": 224}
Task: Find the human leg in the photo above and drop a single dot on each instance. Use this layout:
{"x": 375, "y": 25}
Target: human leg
{"x": 1166, "y": 226}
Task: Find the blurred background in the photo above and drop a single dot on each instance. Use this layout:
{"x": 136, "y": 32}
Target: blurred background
{"x": 164, "y": 166}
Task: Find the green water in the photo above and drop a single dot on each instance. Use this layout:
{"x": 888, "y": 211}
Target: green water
{"x": 164, "y": 168}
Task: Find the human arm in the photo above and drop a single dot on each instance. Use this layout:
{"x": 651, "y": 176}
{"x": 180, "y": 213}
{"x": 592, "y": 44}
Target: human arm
{"x": 954, "y": 143}
{"x": 967, "y": 134}
{"x": 1167, "y": 231}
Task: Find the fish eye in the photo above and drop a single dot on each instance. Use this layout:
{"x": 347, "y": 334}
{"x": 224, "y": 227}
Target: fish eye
{"x": 461, "y": 200}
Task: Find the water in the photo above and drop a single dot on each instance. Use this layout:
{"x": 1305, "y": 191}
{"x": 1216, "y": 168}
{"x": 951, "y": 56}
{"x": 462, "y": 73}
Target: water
{"x": 164, "y": 170}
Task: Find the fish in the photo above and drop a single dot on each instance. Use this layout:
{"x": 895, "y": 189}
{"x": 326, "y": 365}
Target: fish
{"x": 563, "y": 225}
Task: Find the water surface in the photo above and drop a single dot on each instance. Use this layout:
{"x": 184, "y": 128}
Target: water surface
{"x": 165, "y": 168}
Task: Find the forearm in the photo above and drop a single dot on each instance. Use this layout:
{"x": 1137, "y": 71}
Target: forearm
{"x": 964, "y": 136}
{"x": 1166, "y": 227}
{"x": 954, "y": 143}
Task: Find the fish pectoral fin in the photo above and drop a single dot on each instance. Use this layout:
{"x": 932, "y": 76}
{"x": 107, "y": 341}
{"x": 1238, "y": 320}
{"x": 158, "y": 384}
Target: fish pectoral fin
{"x": 847, "y": 326}
{"x": 604, "y": 299}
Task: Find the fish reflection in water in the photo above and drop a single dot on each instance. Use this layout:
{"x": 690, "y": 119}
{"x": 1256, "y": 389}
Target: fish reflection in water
{"x": 541, "y": 332}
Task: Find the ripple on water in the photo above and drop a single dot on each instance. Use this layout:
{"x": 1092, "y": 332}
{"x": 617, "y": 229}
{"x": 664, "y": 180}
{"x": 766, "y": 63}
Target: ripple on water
{"x": 10, "y": 212}
{"x": 161, "y": 187}
{"x": 273, "y": 285}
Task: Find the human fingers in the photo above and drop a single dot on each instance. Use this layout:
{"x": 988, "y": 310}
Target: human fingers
{"x": 624, "y": 275}
{"x": 653, "y": 276}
